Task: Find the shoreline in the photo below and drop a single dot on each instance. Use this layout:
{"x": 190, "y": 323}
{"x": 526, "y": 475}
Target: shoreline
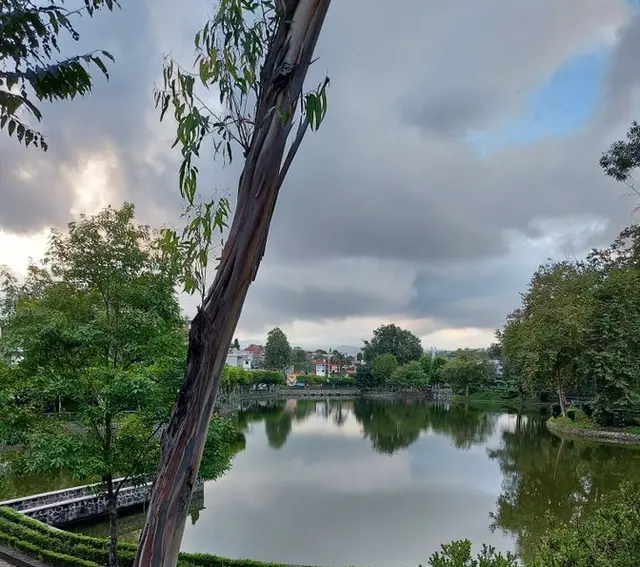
{"x": 600, "y": 435}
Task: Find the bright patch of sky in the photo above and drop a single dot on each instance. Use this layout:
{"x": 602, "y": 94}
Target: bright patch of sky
{"x": 558, "y": 107}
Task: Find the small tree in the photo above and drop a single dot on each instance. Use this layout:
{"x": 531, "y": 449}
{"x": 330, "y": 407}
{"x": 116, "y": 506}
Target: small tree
{"x": 409, "y": 376}
{"x": 99, "y": 332}
{"x": 236, "y": 344}
{"x": 29, "y": 34}
{"x": 277, "y": 351}
{"x": 382, "y": 367}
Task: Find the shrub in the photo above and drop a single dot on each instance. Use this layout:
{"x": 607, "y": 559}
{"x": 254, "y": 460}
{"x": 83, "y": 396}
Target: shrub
{"x": 571, "y": 414}
{"x": 608, "y": 537}
{"x": 458, "y": 554}
{"x": 588, "y": 410}
{"x": 556, "y": 410}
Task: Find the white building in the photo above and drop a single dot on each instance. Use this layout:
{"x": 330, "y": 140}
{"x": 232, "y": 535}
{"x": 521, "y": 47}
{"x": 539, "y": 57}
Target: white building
{"x": 240, "y": 358}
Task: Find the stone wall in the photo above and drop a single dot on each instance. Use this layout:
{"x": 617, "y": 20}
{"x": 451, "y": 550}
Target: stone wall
{"x": 85, "y": 502}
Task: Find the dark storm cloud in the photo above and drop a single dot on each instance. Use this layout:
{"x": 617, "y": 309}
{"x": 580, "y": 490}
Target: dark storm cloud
{"x": 452, "y": 113}
{"x": 111, "y": 115}
{"x": 389, "y": 180}
{"x": 316, "y": 303}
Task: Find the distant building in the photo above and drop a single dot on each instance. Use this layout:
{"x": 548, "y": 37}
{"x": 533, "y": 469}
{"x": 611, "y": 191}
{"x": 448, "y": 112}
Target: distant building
{"x": 240, "y": 358}
{"x": 257, "y": 351}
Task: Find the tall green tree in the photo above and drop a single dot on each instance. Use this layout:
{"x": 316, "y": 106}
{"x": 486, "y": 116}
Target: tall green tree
{"x": 99, "y": 332}
{"x": 545, "y": 339}
{"x": 29, "y": 71}
{"x": 612, "y": 340}
{"x": 277, "y": 350}
{"x": 391, "y": 339}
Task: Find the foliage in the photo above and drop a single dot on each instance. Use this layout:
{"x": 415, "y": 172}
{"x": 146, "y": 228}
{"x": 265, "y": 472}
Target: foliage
{"x": 100, "y": 335}
{"x": 382, "y": 368}
{"x": 410, "y": 376}
{"x": 612, "y": 342}
{"x": 190, "y": 251}
{"x": 545, "y": 339}
{"x": 364, "y": 377}
{"x": 607, "y": 537}
{"x": 432, "y": 367}
{"x": 458, "y": 554}
{"x": 466, "y": 374}
{"x": 235, "y": 378}
{"x": 391, "y": 339}
{"x": 29, "y": 43}
{"x": 224, "y": 441}
{"x": 578, "y": 329}
{"x": 277, "y": 351}
{"x": 301, "y": 360}
{"x": 623, "y": 156}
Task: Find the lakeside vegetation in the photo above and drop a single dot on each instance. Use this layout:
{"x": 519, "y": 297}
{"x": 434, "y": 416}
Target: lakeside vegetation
{"x": 97, "y": 349}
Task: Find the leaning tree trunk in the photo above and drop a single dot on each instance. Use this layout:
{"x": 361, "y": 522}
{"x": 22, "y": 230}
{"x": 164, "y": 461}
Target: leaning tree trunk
{"x": 212, "y": 329}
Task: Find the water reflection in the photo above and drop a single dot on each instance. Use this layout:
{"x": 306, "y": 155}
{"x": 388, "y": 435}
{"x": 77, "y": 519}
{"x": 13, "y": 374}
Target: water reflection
{"x": 371, "y": 482}
{"x": 548, "y": 480}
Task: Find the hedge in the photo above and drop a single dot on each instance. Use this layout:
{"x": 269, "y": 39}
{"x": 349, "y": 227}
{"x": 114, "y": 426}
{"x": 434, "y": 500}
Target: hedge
{"x": 67, "y": 549}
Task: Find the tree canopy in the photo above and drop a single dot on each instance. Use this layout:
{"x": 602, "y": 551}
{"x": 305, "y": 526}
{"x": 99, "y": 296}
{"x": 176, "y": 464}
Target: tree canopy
{"x": 100, "y": 343}
{"x": 29, "y": 71}
{"x": 391, "y": 339}
{"x": 277, "y": 351}
{"x": 576, "y": 331}
{"x": 382, "y": 368}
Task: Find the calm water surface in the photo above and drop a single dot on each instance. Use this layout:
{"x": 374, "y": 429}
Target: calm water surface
{"x": 384, "y": 484}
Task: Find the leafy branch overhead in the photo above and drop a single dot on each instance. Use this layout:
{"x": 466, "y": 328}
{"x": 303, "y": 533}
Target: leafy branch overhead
{"x": 29, "y": 34}
{"x": 231, "y": 52}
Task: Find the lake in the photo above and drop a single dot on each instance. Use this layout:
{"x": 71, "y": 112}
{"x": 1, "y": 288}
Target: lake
{"x": 379, "y": 483}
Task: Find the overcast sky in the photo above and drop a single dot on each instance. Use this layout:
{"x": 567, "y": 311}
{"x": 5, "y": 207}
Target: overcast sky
{"x": 460, "y": 151}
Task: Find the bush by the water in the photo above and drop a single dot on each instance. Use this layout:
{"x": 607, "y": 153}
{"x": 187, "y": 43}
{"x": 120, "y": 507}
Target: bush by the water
{"x": 571, "y": 414}
{"x": 556, "y": 410}
{"x": 607, "y": 537}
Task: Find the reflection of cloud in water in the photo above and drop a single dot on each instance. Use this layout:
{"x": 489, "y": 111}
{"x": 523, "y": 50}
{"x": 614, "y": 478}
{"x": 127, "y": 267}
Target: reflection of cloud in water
{"x": 327, "y": 497}
{"x": 326, "y": 426}
{"x": 434, "y": 461}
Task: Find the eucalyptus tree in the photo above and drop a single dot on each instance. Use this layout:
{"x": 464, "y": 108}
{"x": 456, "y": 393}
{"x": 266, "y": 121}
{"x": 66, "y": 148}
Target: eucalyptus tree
{"x": 256, "y": 56}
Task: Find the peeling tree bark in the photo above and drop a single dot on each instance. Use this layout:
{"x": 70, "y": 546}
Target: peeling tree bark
{"x": 212, "y": 329}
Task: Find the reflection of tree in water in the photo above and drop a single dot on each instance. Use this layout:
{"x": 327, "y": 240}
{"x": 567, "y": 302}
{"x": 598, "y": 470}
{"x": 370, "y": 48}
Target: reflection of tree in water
{"x": 549, "y": 480}
{"x": 392, "y": 426}
{"x": 278, "y": 429}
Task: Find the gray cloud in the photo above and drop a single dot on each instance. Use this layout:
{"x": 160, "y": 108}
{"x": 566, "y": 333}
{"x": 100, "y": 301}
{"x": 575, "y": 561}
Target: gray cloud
{"x": 387, "y": 211}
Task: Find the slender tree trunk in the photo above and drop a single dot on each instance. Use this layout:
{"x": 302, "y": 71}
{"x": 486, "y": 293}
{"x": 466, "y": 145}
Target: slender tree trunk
{"x": 212, "y": 329}
{"x": 112, "y": 508}
{"x": 561, "y": 399}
